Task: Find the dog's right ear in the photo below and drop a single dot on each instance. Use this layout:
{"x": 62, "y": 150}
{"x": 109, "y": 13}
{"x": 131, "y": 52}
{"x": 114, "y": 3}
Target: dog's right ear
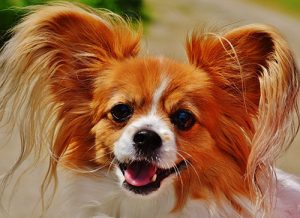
{"x": 48, "y": 69}
{"x": 53, "y": 58}
{"x": 68, "y": 45}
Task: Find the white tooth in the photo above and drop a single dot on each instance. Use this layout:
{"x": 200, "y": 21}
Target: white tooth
{"x": 154, "y": 178}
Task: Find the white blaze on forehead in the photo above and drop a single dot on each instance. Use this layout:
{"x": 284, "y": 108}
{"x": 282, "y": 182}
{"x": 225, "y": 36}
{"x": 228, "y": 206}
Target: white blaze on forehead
{"x": 158, "y": 94}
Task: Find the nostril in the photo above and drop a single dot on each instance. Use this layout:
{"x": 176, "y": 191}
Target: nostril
{"x": 140, "y": 137}
{"x": 147, "y": 140}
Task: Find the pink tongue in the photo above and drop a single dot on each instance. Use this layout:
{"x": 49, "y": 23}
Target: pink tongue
{"x": 139, "y": 173}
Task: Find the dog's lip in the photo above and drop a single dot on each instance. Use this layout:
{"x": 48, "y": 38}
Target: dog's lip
{"x": 146, "y": 182}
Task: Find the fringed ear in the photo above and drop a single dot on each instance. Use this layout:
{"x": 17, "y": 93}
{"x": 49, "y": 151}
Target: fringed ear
{"x": 257, "y": 85}
{"x": 48, "y": 68}
{"x": 69, "y": 45}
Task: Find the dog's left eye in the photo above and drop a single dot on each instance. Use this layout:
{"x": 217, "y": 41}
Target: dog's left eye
{"x": 183, "y": 119}
{"x": 121, "y": 112}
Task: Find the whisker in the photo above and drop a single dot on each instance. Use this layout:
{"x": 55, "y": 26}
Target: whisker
{"x": 190, "y": 164}
{"x": 110, "y": 165}
{"x": 185, "y": 153}
{"x": 177, "y": 172}
{"x": 180, "y": 177}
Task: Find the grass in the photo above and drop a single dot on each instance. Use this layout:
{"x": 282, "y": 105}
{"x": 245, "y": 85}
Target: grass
{"x": 290, "y": 7}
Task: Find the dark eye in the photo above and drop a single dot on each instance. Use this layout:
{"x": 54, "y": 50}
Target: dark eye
{"x": 183, "y": 119}
{"x": 121, "y": 112}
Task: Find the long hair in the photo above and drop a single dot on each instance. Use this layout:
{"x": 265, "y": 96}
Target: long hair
{"x": 259, "y": 84}
{"x": 47, "y": 72}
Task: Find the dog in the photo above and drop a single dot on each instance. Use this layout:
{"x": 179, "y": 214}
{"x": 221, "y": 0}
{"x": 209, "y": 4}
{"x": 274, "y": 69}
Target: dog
{"x": 133, "y": 136}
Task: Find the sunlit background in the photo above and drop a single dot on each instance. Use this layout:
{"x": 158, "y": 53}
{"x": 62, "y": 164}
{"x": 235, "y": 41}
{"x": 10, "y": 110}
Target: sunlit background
{"x": 167, "y": 23}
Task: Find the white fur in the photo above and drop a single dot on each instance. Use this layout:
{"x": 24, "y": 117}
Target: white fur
{"x": 101, "y": 196}
{"x": 124, "y": 148}
{"x": 93, "y": 196}
{"x": 158, "y": 94}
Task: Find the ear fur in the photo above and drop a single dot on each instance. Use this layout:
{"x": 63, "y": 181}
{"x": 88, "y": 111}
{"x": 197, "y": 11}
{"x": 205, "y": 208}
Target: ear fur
{"x": 73, "y": 43}
{"x": 257, "y": 85}
{"x": 47, "y": 72}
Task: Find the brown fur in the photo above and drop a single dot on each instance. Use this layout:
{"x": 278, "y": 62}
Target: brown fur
{"x": 73, "y": 64}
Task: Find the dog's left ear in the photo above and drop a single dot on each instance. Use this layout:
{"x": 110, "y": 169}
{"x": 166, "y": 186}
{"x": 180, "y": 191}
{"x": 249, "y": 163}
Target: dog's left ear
{"x": 256, "y": 82}
{"x": 237, "y": 59}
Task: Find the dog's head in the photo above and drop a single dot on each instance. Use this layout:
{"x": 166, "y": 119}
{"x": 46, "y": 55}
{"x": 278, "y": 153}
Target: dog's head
{"x": 149, "y": 118}
{"x": 206, "y": 126}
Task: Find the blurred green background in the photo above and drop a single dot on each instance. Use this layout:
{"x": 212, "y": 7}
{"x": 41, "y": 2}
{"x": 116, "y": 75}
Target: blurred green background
{"x": 10, "y": 11}
{"x": 290, "y": 7}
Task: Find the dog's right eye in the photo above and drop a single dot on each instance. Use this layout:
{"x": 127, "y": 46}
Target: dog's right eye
{"x": 121, "y": 112}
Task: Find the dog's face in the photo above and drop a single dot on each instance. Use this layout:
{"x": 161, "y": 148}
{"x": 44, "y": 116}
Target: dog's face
{"x": 150, "y": 120}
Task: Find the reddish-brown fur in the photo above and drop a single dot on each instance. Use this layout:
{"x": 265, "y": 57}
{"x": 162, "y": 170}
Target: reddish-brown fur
{"x": 88, "y": 64}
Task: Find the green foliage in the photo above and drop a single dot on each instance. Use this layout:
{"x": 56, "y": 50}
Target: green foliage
{"x": 10, "y": 11}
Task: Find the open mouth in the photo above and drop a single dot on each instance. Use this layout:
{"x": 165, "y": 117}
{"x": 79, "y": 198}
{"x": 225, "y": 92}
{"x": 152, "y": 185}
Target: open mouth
{"x": 143, "y": 177}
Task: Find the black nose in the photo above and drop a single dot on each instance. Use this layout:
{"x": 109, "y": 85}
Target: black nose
{"x": 146, "y": 141}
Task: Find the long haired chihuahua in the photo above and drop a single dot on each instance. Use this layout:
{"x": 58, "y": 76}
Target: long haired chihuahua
{"x": 149, "y": 136}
